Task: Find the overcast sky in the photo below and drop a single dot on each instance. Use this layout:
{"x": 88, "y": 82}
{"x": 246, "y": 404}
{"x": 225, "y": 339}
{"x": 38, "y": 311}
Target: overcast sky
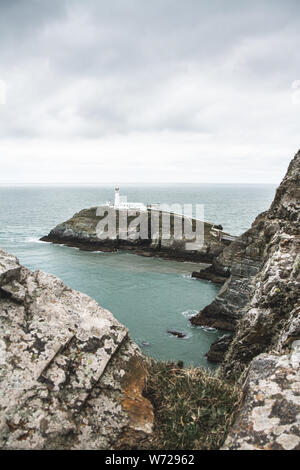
{"x": 99, "y": 91}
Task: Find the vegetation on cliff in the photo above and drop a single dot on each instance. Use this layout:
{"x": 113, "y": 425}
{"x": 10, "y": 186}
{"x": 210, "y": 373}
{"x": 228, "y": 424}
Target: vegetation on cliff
{"x": 193, "y": 409}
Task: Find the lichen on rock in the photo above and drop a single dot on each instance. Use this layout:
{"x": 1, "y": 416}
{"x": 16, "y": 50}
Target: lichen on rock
{"x": 64, "y": 360}
{"x": 269, "y": 418}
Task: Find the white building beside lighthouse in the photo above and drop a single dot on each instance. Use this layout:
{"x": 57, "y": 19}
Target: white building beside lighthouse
{"x": 120, "y": 202}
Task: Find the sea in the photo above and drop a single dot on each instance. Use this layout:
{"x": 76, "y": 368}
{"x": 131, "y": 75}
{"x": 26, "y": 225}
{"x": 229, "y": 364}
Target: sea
{"x": 150, "y": 296}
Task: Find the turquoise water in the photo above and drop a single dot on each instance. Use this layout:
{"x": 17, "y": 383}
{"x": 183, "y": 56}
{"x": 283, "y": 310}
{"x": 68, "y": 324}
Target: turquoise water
{"x": 149, "y": 296}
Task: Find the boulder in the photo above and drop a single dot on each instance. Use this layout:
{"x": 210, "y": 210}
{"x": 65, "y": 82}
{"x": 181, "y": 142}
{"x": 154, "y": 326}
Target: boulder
{"x": 268, "y": 418}
{"x": 70, "y": 376}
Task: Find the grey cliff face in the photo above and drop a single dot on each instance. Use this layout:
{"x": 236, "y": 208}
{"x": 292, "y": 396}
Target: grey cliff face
{"x": 270, "y": 319}
{"x": 242, "y": 259}
{"x": 264, "y": 354}
{"x": 273, "y": 240}
{"x": 70, "y": 377}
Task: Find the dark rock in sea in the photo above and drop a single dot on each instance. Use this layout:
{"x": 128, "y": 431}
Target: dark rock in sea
{"x": 177, "y": 333}
{"x": 218, "y": 349}
{"x": 213, "y": 273}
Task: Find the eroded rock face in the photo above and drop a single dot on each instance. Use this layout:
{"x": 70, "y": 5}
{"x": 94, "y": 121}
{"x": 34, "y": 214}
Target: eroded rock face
{"x": 270, "y": 319}
{"x": 70, "y": 377}
{"x": 242, "y": 259}
{"x": 218, "y": 349}
{"x": 266, "y": 346}
{"x": 260, "y": 302}
{"x": 213, "y": 274}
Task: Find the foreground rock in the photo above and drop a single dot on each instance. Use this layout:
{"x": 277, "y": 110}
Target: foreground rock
{"x": 81, "y": 231}
{"x": 70, "y": 377}
{"x": 269, "y": 418}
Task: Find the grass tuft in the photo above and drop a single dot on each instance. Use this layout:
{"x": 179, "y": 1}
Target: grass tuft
{"x": 193, "y": 408}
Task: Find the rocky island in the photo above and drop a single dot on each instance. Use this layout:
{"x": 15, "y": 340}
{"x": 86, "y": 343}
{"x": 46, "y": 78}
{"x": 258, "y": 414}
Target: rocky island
{"x": 81, "y": 231}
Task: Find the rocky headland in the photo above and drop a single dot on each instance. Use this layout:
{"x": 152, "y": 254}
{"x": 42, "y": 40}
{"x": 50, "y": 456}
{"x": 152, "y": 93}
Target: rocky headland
{"x": 71, "y": 378}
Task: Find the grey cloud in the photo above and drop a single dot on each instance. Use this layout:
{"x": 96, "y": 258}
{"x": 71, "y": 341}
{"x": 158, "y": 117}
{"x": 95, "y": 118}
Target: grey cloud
{"x": 94, "y": 68}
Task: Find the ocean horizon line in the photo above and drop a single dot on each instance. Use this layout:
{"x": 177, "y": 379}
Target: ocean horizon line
{"x": 113, "y": 184}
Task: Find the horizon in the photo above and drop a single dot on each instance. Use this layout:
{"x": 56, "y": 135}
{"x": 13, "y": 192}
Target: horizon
{"x": 111, "y": 184}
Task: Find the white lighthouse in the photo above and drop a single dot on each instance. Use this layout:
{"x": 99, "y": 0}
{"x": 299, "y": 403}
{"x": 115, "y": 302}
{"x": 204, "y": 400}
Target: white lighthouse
{"x": 117, "y": 197}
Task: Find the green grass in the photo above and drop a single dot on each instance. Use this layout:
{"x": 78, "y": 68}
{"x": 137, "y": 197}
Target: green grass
{"x": 193, "y": 408}
{"x": 89, "y": 215}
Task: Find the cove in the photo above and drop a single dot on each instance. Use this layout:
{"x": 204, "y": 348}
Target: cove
{"x": 148, "y": 295}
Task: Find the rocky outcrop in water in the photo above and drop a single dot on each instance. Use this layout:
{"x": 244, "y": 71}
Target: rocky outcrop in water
{"x": 70, "y": 377}
{"x": 218, "y": 349}
{"x": 237, "y": 265}
{"x": 82, "y": 231}
{"x": 212, "y": 273}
